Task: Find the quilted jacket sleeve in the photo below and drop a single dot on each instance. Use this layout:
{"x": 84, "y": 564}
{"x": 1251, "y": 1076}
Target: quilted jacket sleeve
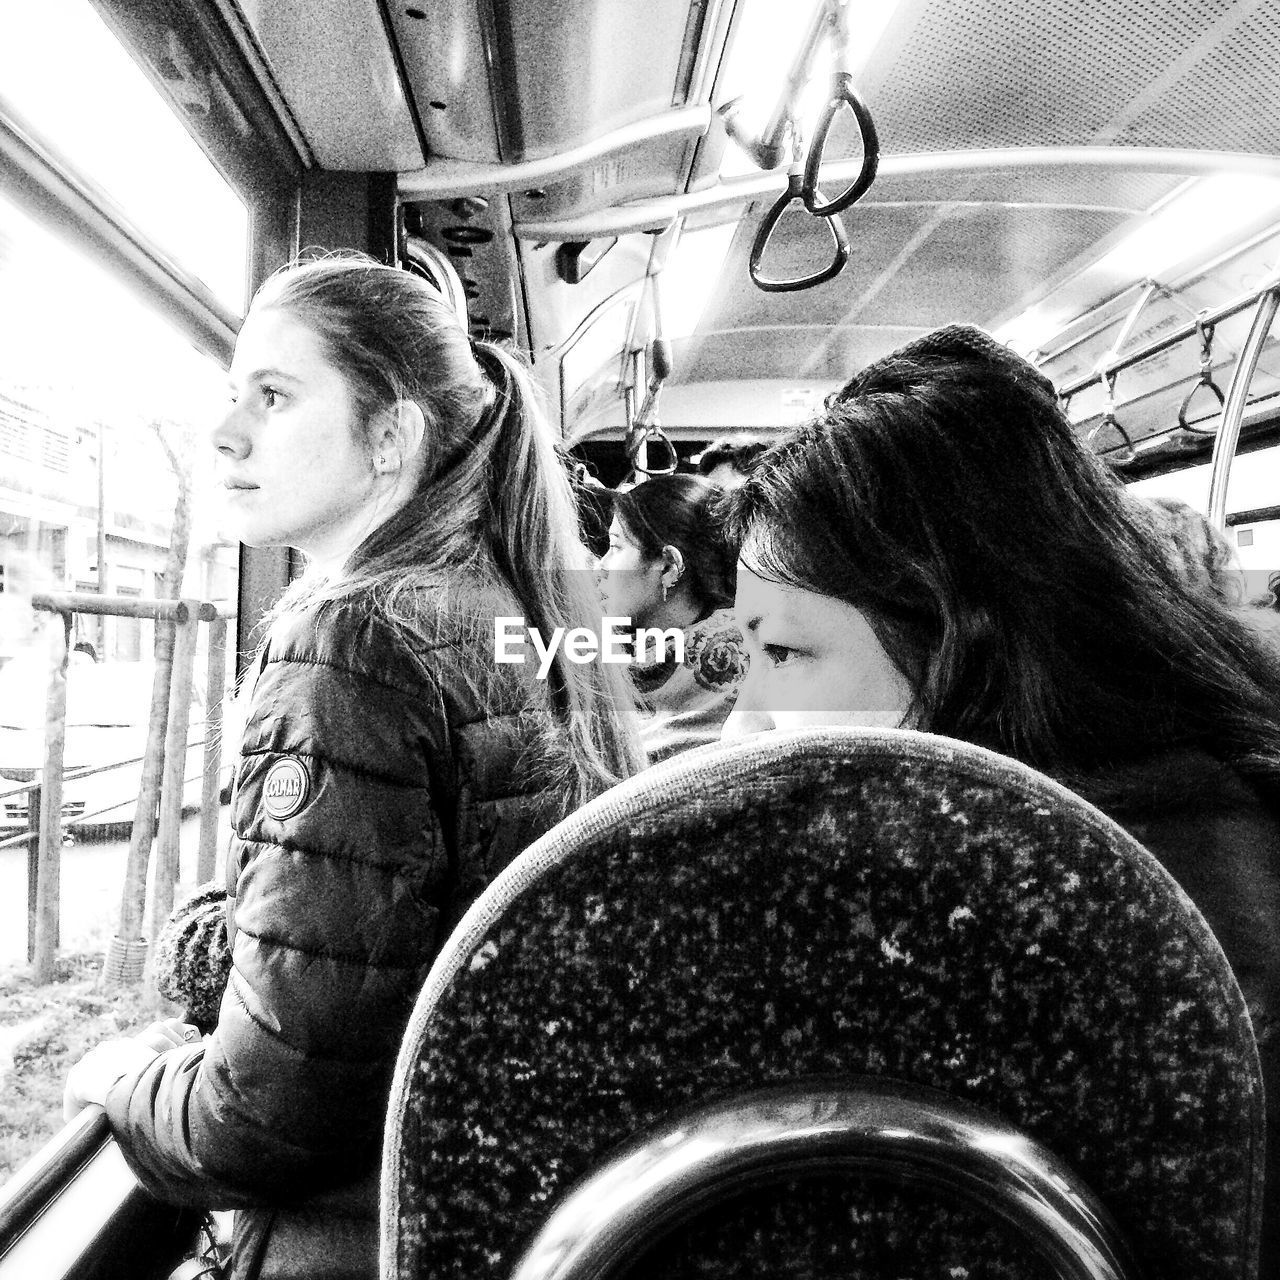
{"x": 343, "y": 863}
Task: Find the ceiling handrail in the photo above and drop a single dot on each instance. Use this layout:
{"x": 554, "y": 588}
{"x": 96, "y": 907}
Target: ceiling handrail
{"x": 658, "y": 212}
{"x": 445, "y": 179}
{"x": 1213, "y": 316}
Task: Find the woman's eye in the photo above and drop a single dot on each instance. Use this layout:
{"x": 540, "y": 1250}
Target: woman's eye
{"x": 269, "y": 397}
{"x": 778, "y": 654}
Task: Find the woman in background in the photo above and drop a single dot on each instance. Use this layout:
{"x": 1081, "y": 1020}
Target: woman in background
{"x": 669, "y": 570}
{"x": 939, "y": 551}
{"x": 389, "y": 766}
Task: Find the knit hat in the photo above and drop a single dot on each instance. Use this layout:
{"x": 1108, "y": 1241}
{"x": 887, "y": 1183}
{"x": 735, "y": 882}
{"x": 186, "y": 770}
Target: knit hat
{"x": 192, "y": 963}
{"x": 956, "y": 344}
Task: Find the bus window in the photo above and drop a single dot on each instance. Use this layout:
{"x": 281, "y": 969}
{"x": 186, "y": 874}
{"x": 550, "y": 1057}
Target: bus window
{"x": 103, "y": 413}
{"x": 107, "y": 122}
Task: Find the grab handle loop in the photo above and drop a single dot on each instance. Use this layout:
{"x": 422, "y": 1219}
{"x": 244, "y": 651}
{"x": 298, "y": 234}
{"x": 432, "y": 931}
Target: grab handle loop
{"x": 1205, "y": 329}
{"x": 1109, "y": 420}
{"x": 653, "y": 434}
{"x": 842, "y": 94}
{"x": 839, "y": 237}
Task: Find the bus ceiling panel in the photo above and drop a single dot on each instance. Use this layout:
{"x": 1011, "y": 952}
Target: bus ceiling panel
{"x": 514, "y": 81}
{"x": 336, "y": 66}
{"x": 912, "y": 266}
{"x": 585, "y": 69}
{"x": 792, "y": 355}
{"x": 1004, "y": 73}
{"x": 1068, "y": 186}
{"x": 979, "y": 262}
{"x": 446, "y": 66}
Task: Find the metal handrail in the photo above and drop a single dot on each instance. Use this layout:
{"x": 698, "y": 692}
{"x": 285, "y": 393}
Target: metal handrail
{"x": 1211, "y": 317}
{"x": 728, "y": 194}
{"x": 23, "y": 1196}
{"x": 1228, "y": 437}
{"x": 701, "y": 1158}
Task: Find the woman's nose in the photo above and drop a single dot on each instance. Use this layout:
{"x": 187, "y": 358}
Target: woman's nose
{"x": 742, "y": 722}
{"x": 751, "y": 712}
{"x": 228, "y": 436}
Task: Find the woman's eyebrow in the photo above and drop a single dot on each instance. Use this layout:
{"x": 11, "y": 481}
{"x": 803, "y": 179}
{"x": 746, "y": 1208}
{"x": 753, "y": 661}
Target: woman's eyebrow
{"x": 278, "y": 375}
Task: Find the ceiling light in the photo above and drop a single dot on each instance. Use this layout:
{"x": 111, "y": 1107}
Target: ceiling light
{"x": 766, "y": 39}
{"x": 691, "y": 276}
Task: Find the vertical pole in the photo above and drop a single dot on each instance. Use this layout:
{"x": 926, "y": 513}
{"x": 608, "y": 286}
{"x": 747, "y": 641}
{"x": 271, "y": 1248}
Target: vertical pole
{"x": 33, "y": 866}
{"x": 49, "y": 861}
{"x": 207, "y": 856}
{"x": 102, "y": 538}
{"x": 1228, "y": 437}
{"x": 168, "y": 839}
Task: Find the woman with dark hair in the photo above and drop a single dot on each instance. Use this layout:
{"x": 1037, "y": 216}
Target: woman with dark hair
{"x": 939, "y": 551}
{"x": 389, "y": 767}
{"x": 669, "y": 571}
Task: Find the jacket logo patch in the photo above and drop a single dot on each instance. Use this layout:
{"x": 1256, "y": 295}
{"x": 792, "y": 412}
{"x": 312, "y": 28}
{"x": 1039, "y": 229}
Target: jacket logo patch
{"x": 286, "y": 788}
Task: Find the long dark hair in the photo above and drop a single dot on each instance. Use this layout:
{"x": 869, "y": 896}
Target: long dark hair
{"x": 493, "y": 499}
{"x": 684, "y": 512}
{"x": 1006, "y": 572}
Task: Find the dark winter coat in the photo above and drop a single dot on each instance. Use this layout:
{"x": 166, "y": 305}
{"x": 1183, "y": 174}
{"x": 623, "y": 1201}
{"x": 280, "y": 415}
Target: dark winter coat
{"x": 1214, "y": 834}
{"x": 382, "y": 783}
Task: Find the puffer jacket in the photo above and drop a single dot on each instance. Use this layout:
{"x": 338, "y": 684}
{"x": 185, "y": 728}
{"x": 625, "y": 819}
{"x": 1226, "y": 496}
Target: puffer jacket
{"x": 1212, "y": 831}
{"x": 383, "y": 781}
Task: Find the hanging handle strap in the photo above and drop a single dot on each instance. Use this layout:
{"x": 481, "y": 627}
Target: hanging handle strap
{"x": 842, "y": 94}
{"x": 653, "y": 434}
{"x": 839, "y": 238}
{"x": 1109, "y": 420}
{"x": 1206, "y": 331}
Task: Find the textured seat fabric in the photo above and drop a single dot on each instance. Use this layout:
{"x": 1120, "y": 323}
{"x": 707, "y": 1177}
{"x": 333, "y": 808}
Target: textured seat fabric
{"x": 829, "y": 903}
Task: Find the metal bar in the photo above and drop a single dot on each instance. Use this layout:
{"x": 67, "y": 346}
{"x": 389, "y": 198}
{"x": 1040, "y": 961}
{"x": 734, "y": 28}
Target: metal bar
{"x": 768, "y": 149}
{"x": 1170, "y": 287}
{"x": 1225, "y": 442}
{"x": 35, "y": 177}
{"x": 207, "y": 854}
{"x": 40, "y": 1178}
{"x": 1254, "y": 515}
{"x": 1149, "y": 289}
{"x": 707, "y": 1156}
{"x": 1170, "y": 339}
{"x": 49, "y": 868}
{"x": 446, "y": 179}
{"x": 650, "y": 215}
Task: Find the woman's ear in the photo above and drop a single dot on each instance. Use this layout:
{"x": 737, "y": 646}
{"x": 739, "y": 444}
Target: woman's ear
{"x": 400, "y": 436}
{"x": 672, "y": 566}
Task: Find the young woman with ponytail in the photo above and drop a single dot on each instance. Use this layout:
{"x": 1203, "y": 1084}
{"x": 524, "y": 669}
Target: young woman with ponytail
{"x": 390, "y": 766}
